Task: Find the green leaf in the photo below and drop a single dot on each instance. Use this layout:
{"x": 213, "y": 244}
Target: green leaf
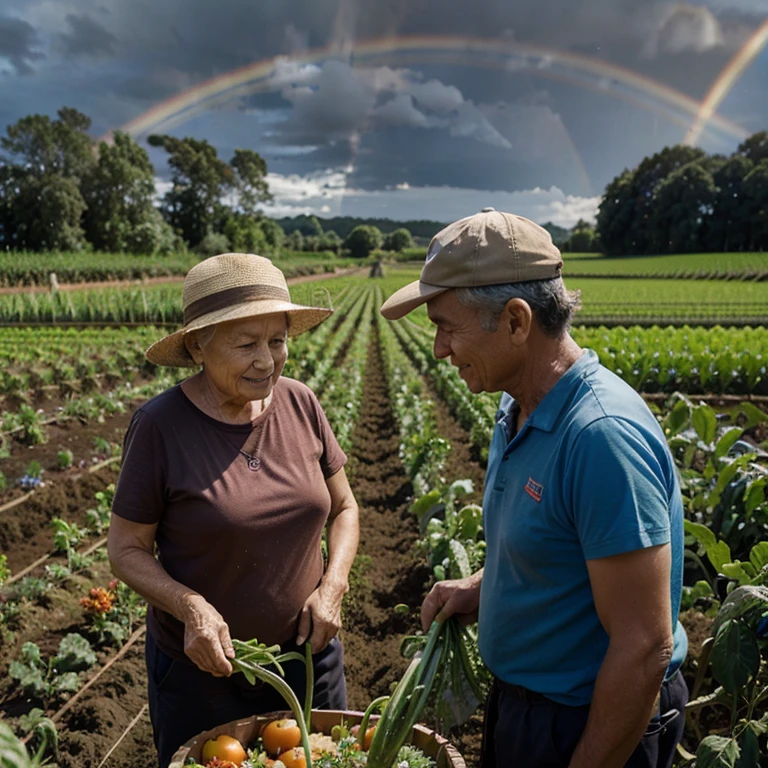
{"x": 29, "y": 678}
{"x": 741, "y": 601}
{"x": 704, "y": 420}
{"x": 459, "y": 556}
{"x": 717, "y": 752}
{"x": 461, "y": 488}
{"x": 677, "y": 419}
{"x": 754, "y": 415}
{"x": 75, "y": 654}
{"x": 758, "y": 555}
{"x": 725, "y": 443}
{"x": 426, "y": 502}
{"x": 735, "y": 656}
{"x": 738, "y": 571}
{"x": 750, "y": 750}
{"x": 755, "y": 495}
{"x": 69, "y": 682}
{"x": 718, "y": 552}
{"x": 470, "y": 521}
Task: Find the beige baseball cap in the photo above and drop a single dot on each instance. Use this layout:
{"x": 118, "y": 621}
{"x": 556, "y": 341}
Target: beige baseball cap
{"x": 488, "y": 248}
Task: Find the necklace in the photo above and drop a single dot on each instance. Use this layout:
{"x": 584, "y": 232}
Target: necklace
{"x": 254, "y": 462}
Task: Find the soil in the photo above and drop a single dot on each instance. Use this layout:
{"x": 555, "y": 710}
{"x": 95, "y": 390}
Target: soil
{"x": 389, "y": 571}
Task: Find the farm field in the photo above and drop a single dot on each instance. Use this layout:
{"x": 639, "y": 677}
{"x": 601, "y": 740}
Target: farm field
{"x": 412, "y": 432}
{"x": 19, "y": 268}
{"x": 698, "y": 266}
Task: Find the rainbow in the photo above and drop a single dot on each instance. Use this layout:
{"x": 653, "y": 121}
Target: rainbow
{"x": 535, "y": 60}
{"x": 725, "y": 81}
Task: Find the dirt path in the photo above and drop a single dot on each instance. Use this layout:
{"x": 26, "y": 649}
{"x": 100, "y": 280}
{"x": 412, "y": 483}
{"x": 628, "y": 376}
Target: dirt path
{"x": 165, "y": 279}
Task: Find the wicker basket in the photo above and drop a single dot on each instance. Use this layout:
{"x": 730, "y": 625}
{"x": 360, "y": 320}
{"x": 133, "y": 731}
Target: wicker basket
{"x": 247, "y": 730}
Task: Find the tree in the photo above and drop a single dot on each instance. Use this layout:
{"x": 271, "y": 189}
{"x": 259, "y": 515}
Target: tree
{"x": 729, "y": 229}
{"x": 755, "y": 148}
{"x": 194, "y": 204}
{"x": 119, "y": 192}
{"x": 583, "y": 239}
{"x": 756, "y": 201}
{"x": 684, "y": 203}
{"x": 273, "y": 234}
{"x": 295, "y": 241}
{"x": 251, "y": 170}
{"x": 398, "y": 240}
{"x": 615, "y": 213}
{"x": 329, "y": 241}
{"x": 362, "y": 240}
{"x": 245, "y": 234}
{"x": 43, "y": 163}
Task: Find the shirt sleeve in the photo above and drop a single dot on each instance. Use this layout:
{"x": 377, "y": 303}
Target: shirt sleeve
{"x": 333, "y": 457}
{"x": 140, "y": 493}
{"x": 619, "y": 498}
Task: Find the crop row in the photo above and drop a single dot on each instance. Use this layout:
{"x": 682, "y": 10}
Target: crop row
{"x": 20, "y": 268}
{"x": 147, "y": 304}
{"x": 688, "y": 359}
{"x": 665, "y": 301}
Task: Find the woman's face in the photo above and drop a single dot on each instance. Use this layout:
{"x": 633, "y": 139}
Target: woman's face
{"x": 244, "y": 358}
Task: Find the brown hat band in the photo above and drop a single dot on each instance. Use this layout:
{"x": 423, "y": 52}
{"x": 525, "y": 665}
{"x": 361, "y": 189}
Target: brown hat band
{"x": 230, "y": 296}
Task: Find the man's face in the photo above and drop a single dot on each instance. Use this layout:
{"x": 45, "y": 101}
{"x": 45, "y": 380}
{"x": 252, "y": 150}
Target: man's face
{"x": 482, "y": 357}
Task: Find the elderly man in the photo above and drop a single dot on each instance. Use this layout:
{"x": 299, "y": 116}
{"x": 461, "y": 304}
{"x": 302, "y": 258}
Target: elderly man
{"x": 577, "y": 604}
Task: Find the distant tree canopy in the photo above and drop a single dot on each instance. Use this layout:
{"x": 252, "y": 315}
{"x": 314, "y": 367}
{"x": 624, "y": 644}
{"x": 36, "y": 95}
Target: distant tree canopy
{"x": 362, "y": 240}
{"x": 398, "y": 240}
{"x": 583, "y": 239}
{"x": 682, "y": 200}
{"x": 61, "y": 190}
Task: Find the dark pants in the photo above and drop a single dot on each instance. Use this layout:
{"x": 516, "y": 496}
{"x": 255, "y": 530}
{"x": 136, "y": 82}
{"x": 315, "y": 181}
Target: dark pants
{"x": 535, "y": 732}
{"x": 184, "y": 700}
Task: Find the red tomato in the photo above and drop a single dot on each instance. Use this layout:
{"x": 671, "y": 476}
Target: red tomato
{"x": 293, "y": 758}
{"x": 223, "y": 748}
{"x": 280, "y": 735}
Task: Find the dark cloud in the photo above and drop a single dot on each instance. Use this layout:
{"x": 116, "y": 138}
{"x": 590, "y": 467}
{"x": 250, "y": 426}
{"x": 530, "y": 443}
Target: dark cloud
{"x": 86, "y": 38}
{"x": 19, "y": 44}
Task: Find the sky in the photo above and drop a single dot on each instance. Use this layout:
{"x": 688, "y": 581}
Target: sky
{"x": 404, "y": 109}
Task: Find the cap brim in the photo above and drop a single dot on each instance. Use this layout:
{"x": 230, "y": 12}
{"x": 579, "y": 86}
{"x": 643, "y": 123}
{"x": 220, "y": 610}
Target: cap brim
{"x": 171, "y": 350}
{"x": 413, "y": 295}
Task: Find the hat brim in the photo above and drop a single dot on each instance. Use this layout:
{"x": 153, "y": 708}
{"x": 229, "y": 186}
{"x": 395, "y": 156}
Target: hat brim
{"x": 172, "y": 352}
{"x": 413, "y": 295}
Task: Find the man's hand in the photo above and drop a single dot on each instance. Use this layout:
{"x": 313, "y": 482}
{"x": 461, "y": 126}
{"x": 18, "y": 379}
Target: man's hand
{"x": 206, "y": 637}
{"x": 457, "y": 597}
{"x": 320, "y": 618}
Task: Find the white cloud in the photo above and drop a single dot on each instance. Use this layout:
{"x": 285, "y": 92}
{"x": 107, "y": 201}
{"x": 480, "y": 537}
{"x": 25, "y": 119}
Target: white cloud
{"x": 683, "y": 29}
{"x": 399, "y": 111}
{"x": 327, "y": 194}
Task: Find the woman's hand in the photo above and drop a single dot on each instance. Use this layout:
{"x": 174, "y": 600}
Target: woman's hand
{"x": 320, "y": 618}
{"x": 206, "y": 637}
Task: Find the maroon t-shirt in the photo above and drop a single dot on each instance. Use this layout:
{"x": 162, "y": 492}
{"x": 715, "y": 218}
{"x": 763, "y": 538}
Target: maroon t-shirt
{"x": 248, "y": 541}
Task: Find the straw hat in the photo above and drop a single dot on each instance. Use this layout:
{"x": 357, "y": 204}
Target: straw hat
{"x": 229, "y": 287}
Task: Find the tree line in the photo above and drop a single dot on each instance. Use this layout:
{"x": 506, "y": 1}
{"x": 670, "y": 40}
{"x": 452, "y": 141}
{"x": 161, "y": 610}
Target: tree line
{"x": 62, "y": 190}
{"x": 682, "y": 200}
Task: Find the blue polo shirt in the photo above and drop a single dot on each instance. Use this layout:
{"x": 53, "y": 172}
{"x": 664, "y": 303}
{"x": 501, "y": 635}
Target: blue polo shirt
{"x": 588, "y": 476}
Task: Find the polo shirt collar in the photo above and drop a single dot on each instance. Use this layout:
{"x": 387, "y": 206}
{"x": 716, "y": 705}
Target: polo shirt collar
{"x": 547, "y": 412}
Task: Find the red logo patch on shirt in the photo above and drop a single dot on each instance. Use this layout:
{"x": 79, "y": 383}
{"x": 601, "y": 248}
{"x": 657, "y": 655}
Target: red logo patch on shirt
{"x": 534, "y": 489}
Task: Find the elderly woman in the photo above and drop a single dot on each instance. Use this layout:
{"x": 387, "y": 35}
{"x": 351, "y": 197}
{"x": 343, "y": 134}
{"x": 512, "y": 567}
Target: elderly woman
{"x": 232, "y": 476}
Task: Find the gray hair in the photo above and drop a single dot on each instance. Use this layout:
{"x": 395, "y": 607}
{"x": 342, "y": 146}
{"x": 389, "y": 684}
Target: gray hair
{"x": 552, "y": 304}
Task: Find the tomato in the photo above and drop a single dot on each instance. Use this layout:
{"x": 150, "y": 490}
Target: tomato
{"x": 280, "y": 735}
{"x": 293, "y": 758}
{"x": 224, "y": 748}
{"x": 355, "y": 731}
